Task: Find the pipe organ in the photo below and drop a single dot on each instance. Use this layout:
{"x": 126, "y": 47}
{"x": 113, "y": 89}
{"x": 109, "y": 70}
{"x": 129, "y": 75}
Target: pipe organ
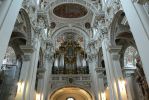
{"x": 70, "y": 59}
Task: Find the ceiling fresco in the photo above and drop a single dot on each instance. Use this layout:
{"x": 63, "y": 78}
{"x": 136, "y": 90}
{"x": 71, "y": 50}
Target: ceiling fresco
{"x": 70, "y": 10}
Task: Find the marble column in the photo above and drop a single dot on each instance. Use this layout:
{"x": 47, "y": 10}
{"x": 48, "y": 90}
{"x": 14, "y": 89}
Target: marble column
{"x": 29, "y": 70}
{"x": 94, "y": 78}
{"x": 113, "y": 71}
{"x": 33, "y": 71}
{"x": 139, "y": 22}
{"x": 100, "y": 80}
{"x": 28, "y": 50}
{"x": 127, "y": 74}
{"x": 40, "y": 84}
{"x": 43, "y": 79}
{"x": 132, "y": 86}
{"x": 48, "y": 72}
{"x": 8, "y": 8}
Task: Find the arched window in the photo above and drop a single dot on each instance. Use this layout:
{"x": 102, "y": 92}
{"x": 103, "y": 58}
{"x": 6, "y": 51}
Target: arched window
{"x": 130, "y": 57}
{"x": 70, "y": 98}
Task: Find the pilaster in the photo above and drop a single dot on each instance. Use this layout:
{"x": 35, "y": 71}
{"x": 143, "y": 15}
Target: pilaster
{"x": 114, "y": 52}
{"x": 128, "y": 74}
{"x": 48, "y": 66}
{"x": 33, "y": 70}
{"x": 100, "y": 79}
{"x": 113, "y": 71}
{"x": 27, "y": 50}
{"x": 94, "y": 78}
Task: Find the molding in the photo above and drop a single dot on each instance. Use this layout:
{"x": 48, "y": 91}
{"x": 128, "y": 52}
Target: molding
{"x": 141, "y": 1}
{"x": 41, "y": 70}
{"x": 40, "y": 76}
{"x": 99, "y": 69}
{"x": 101, "y": 75}
{"x": 115, "y": 52}
{"x": 114, "y": 49}
{"x": 129, "y": 71}
{"x": 27, "y": 49}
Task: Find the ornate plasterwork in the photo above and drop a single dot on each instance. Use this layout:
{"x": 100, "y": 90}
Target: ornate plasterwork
{"x": 92, "y": 49}
{"x": 75, "y": 30}
{"x": 49, "y": 52}
{"x": 74, "y": 22}
{"x": 60, "y": 38}
{"x": 86, "y": 3}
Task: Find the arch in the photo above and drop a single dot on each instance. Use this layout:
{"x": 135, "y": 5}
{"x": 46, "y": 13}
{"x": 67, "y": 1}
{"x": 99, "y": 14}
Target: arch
{"x": 17, "y": 35}
{"x": 17, "y": 39}
{"x": 115, "y": 20}
{"x": 70, "y": 29}
{"x": 125, "y": 39}
{"x": 92, "y": 95}
{"x": 25, "y": 15}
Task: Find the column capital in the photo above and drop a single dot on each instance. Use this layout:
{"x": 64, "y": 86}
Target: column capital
{"x": 115, "y": 52}
{"x": 26, "y": 57}
{"x": 41, "y": 70}
{"x": 40, "y": 76}
{"x": 27, "y": 49}
{"x": 114, "y": 49}
{"x": 99, "y": 69}
{"x": 101, "y": 75}
{"x": 128, "y": 71}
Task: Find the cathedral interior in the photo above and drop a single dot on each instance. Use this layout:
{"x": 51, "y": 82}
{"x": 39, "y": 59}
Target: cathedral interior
{"x": 74, "y": 50}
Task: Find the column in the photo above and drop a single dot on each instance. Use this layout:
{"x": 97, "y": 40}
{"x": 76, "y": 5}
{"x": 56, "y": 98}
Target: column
{"x": 40, "y": 84}
{"x": 128, "y": 73}
{"x": 46, "y": 79}
{"x": 49, "y": 59}
{"x": 29, "y": 70}
{"x": 30, "y": 88}
{"x": 100, "y": 80}
{"x": 139, "y": 23}
{"x": 113, "y": 71}
{"x": 24, "y": 72}
{"x": 132, "y": 87}
{"x": 9, "y": 10}
{"x": 94, "y": 78}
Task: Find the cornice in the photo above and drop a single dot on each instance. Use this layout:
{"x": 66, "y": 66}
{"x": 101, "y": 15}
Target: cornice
{"x": 141, "y": 1}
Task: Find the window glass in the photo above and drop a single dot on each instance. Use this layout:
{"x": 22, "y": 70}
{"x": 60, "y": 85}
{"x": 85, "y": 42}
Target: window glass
{"x": 70, "y": 98}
